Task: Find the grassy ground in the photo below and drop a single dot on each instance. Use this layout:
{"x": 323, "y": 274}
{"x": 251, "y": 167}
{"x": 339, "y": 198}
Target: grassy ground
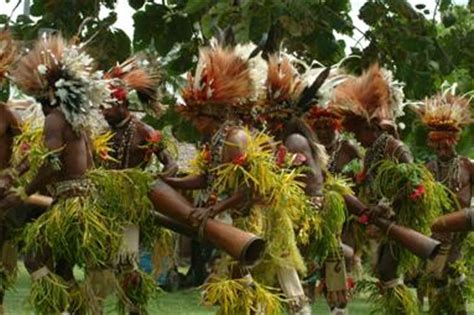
{"x": 180, "y": 303}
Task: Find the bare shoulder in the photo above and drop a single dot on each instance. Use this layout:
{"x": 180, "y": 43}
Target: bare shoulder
{"x": 236, "y": 144}
{"x": 468, "y": 164}
{"x": 399, "y": 151}
{"x": 237, "y": 137}
{"x": 55, "y": 120}
{"x": 297, "y": 143}
{"x": 431, "y": 165}
{"x": 351, "y": 149}
{"x": 145, "y": 130}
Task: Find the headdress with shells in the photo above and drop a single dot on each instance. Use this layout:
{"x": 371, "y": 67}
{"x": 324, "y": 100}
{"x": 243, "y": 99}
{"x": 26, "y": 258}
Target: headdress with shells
{"x": 64, "y": 77}
{"x": 373, "y": 97}
{"x": 445, "y": 114}
{"x": 222, "y": 84}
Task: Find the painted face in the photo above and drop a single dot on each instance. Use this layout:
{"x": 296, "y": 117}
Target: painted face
{"x": 326, "y": 135}
{"x": 365, "y": 135}
{"x": 115, "y": 114}
{"x": 444, "y": 150}
{"x": 205, "y": 125}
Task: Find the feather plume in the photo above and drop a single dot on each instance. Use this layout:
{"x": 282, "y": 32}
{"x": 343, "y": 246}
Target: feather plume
{"x": 445, "y": 112}
{"x": 283, "y": 81}
{"x": 131, "y": 76}
{"x": 63, "y": 75}
{"x": 7, "y": 53}
{"x": 222, "y": 80}
{"x": 366, "y": 97}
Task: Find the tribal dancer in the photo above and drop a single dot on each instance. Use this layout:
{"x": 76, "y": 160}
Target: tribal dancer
{"x": 286, "y": 101}
{"x": 344, "y": 157}
{"x": 238, "y": 173}
{"x": 391, "y": 185}
{"x": 133, "y": 145}
{"x": 61, "y": 78}
{"x": 445, "y": 115}
{"x": 10, "y": 126}
{"x": 134, "y": 142}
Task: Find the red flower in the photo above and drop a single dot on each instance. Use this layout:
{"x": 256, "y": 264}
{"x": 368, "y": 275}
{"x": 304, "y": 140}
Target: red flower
{"x": 154, "y": 137}
{"x": 299, "y": 159}
{"x": 363, "y": 219}
{"x": 206, "y": 155}
{"x": 418, "y": 192}
{"x": 212, "y": 199}
{"x": 132, "y": 280}
{"x": 148, "y": 155}
{"x": 350, "y": 283}
{"x": 281, "y": 155}
{"x": 240, "y": 159}
{"x": 119, "y": 94}
{"x": 25, "y": 147}
{"x": 360, "y": 177}
{"x": 103, "y": 154}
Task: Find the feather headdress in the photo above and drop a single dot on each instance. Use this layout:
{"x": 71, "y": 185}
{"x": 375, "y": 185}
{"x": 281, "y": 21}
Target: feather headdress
{"x": 63, "y": 75}
{"x": 372, "y": 97}
{"x": 130, "y": 76}
{"x": 222, "y": 84}
{"x": 7, "y": 53}
{"x": 286, "y": 93}
{"x": 320, "y": 114}
{"x": 445, "y": 114}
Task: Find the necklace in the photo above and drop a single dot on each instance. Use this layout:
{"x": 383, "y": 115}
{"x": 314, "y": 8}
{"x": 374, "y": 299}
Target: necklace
{"x": 451, "y": 172}
{"x": 376, "y": 152}
{"x": 121, "y": 146}
{"x": 332, "y": 165}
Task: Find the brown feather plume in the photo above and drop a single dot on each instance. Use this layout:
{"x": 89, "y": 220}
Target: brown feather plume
{"x": 27, "y": 76}
{"x": 283, "y": 82}
{"x": 131, "y": 76}
{"x": 445, "y": 112}
{"x": 7, "y": 53}
{"x": 366, "y": 97}
{"x": 222, "y": 79}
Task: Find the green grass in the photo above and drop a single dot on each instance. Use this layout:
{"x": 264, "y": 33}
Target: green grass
{"x": 180, "y": 303}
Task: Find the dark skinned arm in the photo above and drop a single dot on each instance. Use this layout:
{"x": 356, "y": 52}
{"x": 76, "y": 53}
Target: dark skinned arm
{"x": 190, "y": 182}
{"x": 170, "y": 165}
{"x": 297, "y": 143}
{"x": 14, "y": 124}
{"x": 236, "y": 143}
{"x": 54, "y": 142}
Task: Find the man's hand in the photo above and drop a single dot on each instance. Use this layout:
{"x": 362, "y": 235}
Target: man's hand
{"x": 198, "y": 215}
{"x": 169, "y": 171}
{"x": 380, "y": 211}
{"x": 317, "y": 202}
{"x": 10, "y": 201}
{"x": 5, "y": 184}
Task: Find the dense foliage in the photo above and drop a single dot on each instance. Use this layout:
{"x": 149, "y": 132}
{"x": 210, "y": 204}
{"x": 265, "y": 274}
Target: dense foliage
{"x": 422, "y": 49}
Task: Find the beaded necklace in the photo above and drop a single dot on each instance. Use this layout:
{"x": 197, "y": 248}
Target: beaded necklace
{"x": 452, "y": 178}
{"x": 122, "y": 146}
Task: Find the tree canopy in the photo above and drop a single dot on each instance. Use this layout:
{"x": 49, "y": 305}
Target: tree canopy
{"x": 421, "y": 49}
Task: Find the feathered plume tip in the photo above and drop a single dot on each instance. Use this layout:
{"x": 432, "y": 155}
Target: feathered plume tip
{"x": 365, "y": 98}
{"x": 222, "y": 82}
{"x": 445, "y": 114}
{"x": 283, "y": 84}
{"x": 7, "y": 53}
{"x": 130, "y": 76}
{"x": 64, "y": 76}
{"x": 320, "y": 114}
{"x": 283, "y": 87}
